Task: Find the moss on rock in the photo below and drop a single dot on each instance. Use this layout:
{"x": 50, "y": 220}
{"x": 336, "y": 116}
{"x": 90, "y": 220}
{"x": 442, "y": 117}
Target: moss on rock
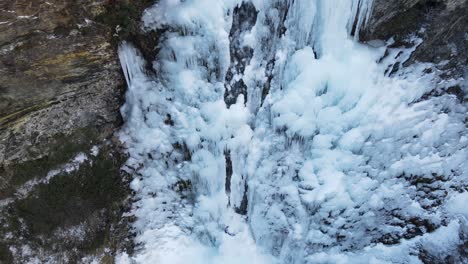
{"x": 61, "y": 149}
{"x": 5, "y": 254}
{"x": 91, "y": 199}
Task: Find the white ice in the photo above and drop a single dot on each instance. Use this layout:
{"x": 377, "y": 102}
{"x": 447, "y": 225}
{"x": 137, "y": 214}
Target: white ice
{"x": 329, "y": 162}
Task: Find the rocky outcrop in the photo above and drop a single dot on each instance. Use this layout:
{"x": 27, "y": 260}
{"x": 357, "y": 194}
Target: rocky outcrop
{"x": 59, "y": 73}
{"x": 61, "y": 89}
{"x": 441, "y": 24}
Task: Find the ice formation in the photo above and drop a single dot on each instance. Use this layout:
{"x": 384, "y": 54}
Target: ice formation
{"x": 269, "y": 134}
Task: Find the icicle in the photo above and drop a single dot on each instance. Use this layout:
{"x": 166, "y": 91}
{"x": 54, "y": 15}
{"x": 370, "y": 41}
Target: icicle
{"x": 361, "y": 12}
{"x": 131, "y": 62}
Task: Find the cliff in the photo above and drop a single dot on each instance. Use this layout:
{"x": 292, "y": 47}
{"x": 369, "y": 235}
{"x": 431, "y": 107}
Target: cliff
{"x": 62, "y": 191}
{"x": 440, "y": 24}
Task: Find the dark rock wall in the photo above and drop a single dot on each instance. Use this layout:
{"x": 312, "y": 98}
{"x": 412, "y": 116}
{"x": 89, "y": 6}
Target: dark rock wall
{"x": 61, "y": 88}
{"x": 441, "y": 24}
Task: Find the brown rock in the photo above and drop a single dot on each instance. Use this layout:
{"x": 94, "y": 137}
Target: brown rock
{"x": 59, "y": 73}
{"x": 61, "y": 89}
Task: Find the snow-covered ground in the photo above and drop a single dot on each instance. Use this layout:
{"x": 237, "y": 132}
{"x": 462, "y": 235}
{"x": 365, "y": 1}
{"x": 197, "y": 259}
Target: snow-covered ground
{"x": 327, "y": 156}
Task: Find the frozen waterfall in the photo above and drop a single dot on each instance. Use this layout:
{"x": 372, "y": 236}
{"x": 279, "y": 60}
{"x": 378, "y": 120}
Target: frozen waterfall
{"x": 269, "y": 134}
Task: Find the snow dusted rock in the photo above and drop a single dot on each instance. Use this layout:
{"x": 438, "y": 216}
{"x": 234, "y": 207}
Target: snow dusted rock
{"x": 441, "y": 24}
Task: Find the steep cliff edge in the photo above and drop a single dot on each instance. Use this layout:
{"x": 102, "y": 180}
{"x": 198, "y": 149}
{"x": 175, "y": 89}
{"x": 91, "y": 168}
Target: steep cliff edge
{"x": 62, "y": 193}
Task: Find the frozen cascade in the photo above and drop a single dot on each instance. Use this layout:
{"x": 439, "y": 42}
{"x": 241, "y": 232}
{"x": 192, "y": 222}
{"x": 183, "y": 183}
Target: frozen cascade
{"x": 271, "y": 135}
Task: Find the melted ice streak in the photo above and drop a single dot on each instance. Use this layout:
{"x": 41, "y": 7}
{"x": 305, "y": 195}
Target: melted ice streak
{"x": 326, "y": 160}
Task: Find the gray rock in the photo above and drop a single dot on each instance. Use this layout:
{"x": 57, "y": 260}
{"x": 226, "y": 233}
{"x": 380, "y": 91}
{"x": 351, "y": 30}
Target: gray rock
{"x": 441, "y": 24}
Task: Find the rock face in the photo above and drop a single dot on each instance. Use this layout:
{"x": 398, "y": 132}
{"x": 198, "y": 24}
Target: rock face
{"x": 61, "y": 89}
{"x": 59, "y": 73}
{"x": 441, "y": 24}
